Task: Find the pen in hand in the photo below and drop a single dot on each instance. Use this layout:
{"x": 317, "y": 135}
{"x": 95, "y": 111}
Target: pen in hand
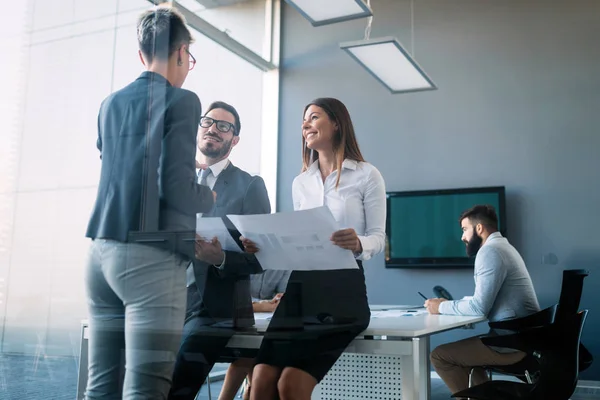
{"x": 422, "y": 295}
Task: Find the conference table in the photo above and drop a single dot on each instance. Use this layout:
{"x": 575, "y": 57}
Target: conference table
{"x": 389, "y": 360}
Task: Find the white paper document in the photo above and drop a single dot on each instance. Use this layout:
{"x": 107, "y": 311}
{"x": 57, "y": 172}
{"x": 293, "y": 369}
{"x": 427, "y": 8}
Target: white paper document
{"x": 263, "y": 315}
{"x": 398, "y": 313}
{"x": 298, "y": 240}
{"x": 211, "y": 227}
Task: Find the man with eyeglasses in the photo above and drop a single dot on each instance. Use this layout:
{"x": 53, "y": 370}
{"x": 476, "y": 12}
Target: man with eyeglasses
{"x": 218, "y": 281}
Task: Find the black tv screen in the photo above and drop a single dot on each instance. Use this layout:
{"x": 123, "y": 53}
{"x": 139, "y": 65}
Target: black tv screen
{"x": 423, "y": 228}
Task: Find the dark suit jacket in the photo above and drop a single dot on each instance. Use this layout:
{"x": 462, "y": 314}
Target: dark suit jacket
{"x": 238, "y": 193}
{"x": 124, "y": 126}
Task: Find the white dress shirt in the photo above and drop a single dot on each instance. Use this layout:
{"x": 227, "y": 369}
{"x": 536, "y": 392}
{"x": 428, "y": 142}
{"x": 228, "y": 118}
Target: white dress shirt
{"x": 359, "y": 202}
{"x": 215, "y": 170}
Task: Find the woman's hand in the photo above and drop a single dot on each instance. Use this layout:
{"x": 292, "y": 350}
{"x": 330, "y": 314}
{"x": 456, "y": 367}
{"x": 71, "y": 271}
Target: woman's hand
{"x": 347, "y": 239}
{"x": 249, "y": 245}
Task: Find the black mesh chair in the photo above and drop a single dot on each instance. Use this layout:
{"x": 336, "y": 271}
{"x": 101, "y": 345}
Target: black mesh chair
{"x": 568, "y": 305}
{"x": 555, "y": 348}
{"x": 524, "y": 369}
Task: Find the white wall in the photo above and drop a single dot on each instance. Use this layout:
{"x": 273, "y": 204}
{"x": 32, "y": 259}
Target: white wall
{"x": 67, "y": 56}
{"x": 517, "y": 105}
{"x": 221, "y": 75}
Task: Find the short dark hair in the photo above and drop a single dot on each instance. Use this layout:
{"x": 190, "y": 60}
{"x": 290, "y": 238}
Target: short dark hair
{"x": 484, "y": 214}
{"x": 161, "y": 31}
{"x": 229, "y": 108}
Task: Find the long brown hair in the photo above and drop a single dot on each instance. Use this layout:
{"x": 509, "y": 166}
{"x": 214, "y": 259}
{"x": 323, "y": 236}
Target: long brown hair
{"x": 345, "y": 144}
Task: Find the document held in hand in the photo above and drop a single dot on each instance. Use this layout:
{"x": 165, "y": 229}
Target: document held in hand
{"x": 211, "y": 227}
{"x": 297, "y": 240}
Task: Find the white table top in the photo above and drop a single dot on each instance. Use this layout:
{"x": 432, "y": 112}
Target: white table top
{"x": 399, "y": 321}
{"x": 418, "y": 325}
{"x": 396, "y": 321}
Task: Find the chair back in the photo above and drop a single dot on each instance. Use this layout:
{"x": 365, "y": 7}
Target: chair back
{"x": 570, "y": 293}
{"x": 558, "y": 355}
{"x": 568, "y": 304}
{"x": 554, "y": 352}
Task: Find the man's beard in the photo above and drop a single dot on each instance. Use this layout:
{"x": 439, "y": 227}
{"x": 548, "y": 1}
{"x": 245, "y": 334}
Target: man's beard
{"x": 215, "y": 153}
{"x": 474, "y": 245}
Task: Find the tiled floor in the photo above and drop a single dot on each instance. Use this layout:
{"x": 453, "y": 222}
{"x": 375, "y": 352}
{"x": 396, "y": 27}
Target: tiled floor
{"x": 53, "y": 378}
{"x": 48, "y": 378}
{"x": 28, "y": 377}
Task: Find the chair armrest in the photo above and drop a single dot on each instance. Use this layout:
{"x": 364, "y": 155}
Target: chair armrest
{"x": 540, "y": 318}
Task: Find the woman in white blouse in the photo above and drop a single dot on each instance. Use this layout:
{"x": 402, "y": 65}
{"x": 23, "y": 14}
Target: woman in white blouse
{"x": 335, "y": 174}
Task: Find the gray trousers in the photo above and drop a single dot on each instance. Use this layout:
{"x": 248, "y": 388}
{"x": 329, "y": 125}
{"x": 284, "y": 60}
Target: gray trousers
{"x": 136, "y": 300}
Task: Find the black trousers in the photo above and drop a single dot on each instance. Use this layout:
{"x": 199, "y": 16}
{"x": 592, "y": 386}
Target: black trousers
{"x": 202, "y": 344}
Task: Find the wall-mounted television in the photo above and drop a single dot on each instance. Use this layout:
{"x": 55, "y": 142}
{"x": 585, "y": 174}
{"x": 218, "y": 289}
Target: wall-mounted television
{"x": 423, "y": 230}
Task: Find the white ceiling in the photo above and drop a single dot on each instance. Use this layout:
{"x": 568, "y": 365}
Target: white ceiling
{"x": 218, "y": 3}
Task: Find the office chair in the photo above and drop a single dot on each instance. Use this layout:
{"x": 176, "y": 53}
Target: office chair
{"x": 524, "y": 368}
{"x": 570, "y": 297}
{"x": 568, "y": 304}
{"x": 555, "y": 348}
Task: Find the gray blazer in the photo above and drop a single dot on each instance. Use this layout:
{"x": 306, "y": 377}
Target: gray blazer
{"x": 123, "y": 129}
{"x": 238, "y": 193}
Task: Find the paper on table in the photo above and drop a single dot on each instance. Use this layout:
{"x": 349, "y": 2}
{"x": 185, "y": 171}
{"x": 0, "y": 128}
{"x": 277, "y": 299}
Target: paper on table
{"x": 397, "y": 313}
{"x": 298, "y": 240}
{"x": 262, "y": 315}
{"x": 210, "y": 227}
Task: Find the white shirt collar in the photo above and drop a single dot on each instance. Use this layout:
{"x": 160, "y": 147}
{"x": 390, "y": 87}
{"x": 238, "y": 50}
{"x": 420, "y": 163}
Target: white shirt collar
{"x": 314, "y": 167}
{"x": 217, "y": 168}
{"x": 348, "y": 164}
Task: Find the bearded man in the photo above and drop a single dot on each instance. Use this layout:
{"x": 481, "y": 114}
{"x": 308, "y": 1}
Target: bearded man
{"x": 503, "y": 289}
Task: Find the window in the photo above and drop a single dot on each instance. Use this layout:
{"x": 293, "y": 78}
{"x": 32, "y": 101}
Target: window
{"x": 67, "y": 56}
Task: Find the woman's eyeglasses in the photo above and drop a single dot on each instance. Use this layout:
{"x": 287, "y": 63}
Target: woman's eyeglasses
{"x": 192, "y": 60}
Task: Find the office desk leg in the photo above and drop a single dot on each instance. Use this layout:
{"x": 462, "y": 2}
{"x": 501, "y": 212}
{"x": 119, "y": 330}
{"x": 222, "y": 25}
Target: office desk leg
{"x": 422, "y": 367}
{"x": 416, "y": 375}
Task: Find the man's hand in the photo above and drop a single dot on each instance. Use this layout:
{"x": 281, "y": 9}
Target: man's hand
{"x": 347, "y": 239}
{"x": 277, "y": 297}
{"x": 267, "y": 305}
{"x": 433, "y": 305}
{"x": 209, "y": 252}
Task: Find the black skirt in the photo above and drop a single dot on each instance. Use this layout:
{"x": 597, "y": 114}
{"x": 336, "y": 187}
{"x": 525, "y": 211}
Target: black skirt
{"x": 318, "y": 317}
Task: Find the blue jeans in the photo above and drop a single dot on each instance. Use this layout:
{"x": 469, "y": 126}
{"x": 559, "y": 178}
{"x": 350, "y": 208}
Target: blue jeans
{"x": 136, "y": 301}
